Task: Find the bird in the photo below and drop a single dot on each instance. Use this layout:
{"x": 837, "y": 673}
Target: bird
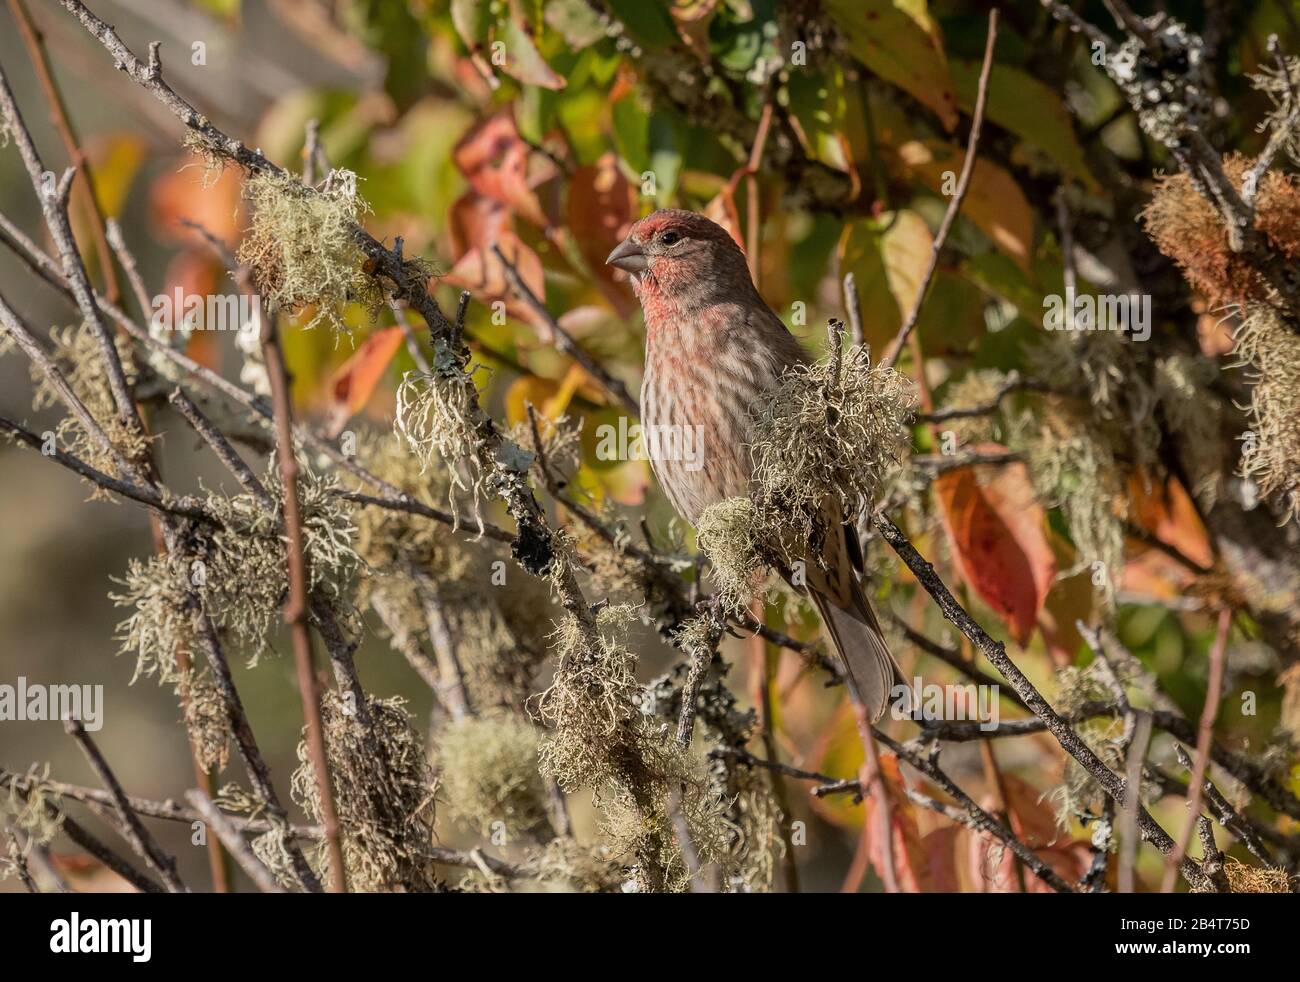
{"x": 713, "y": 347}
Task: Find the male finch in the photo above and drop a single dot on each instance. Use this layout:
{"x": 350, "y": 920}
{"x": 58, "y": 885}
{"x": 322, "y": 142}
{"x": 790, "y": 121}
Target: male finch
{"x": 712, "y": 348}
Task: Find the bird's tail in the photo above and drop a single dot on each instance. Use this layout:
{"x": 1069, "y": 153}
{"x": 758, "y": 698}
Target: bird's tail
{"x": 855, "y": 634}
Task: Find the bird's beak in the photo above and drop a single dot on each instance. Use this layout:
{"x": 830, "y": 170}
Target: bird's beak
{"x": 627, "y": 256}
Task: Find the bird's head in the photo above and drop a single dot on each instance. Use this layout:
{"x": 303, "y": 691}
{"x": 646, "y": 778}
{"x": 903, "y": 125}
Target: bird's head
{"x": 682, "y": 258}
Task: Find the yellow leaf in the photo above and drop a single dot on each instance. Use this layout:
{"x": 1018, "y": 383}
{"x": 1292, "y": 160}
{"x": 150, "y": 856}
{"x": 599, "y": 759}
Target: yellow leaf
{"x": 994, "y": 201}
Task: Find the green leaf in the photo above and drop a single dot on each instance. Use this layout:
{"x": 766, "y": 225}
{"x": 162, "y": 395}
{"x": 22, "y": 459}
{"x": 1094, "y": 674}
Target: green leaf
{"x": 222, "y": 8}
{"x": 391, "y": 29}
{"x": 1031, "y": 110}
{"x": 632, "y": 132}
{"x": 574, "y": 20}
{"x": 818, "y": 105}
{"x": 997, "y": 274}
{"x": 901, "y": 43}
{"x": 648, "y": 24}
{"x": 665, "y": 158}
{"x": 523, "y": 61}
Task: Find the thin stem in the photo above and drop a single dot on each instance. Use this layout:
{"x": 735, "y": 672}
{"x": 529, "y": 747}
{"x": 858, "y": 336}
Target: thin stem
{"x": 234, "y": 842}
{"x": 1204, "y": 738}
{"x": 950, "y": 216}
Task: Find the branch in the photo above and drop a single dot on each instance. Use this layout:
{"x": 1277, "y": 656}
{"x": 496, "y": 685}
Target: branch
{"x": 1014, "y": 382}
{"x": 93, "y": 845}
{"x": 564, "y": 340}
{"x": 258, "y": 773}
{"x": 296, "y": 604}
{"x": 222, "y": 448}
{"x": 996, "y": 653}
{"x": 181, "y": 507}
{"x": 1204, "y": 737}
{"x": 131, "y": 827}
{"x": 54, "y": 204}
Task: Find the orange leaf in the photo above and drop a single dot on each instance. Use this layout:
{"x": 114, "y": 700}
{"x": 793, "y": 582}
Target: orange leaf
{"x": 1168, "y": 513}
{"x": 999, "y": 545}
{"x": 993, "y": 201}
{"x": 549, "y": 397}
{"x": 181, "y": 193}
{"x": 352, "y": 385}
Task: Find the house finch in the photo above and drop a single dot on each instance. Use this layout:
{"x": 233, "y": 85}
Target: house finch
{"x": 712, "y": 348}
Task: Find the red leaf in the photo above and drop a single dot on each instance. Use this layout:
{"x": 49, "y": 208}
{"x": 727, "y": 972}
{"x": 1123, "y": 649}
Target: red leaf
{"x": 352, "y": 385}
{"x": 922, "y": 863}
{"x": 991, "y": 866}
{"x": 480, "y": 272}
{"x": 999, "y": 545}
{"x": 601, "y": 206}
{"x": 494, "y": 159}
{"x": 476, "y": 221}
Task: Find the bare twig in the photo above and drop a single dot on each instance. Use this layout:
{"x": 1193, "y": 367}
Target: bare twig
{"x": 1014, "y": 382}
{"x": 995, "y": 652}
{"x": 85, "y": 188}
{"x": 53, "y": 197}
{"x": 853, "y": 310}
{"x": 1131, "y": 803}
{"x": 133, "y": 830}
{"x": 180, "y": 507}
{"x": 222, "y": 448}
{"x": 258, "y": 773}
{"x": 950, "y": 216}
{"x": 234, "y": 843}
{"x": 564, "y": 340}
{"x": 976, "y": 817}
{"x": 102, "y": 801}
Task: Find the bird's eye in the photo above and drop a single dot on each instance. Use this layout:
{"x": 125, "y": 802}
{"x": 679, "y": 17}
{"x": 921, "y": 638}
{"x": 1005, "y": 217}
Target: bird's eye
{"x": 669, "y": 238}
